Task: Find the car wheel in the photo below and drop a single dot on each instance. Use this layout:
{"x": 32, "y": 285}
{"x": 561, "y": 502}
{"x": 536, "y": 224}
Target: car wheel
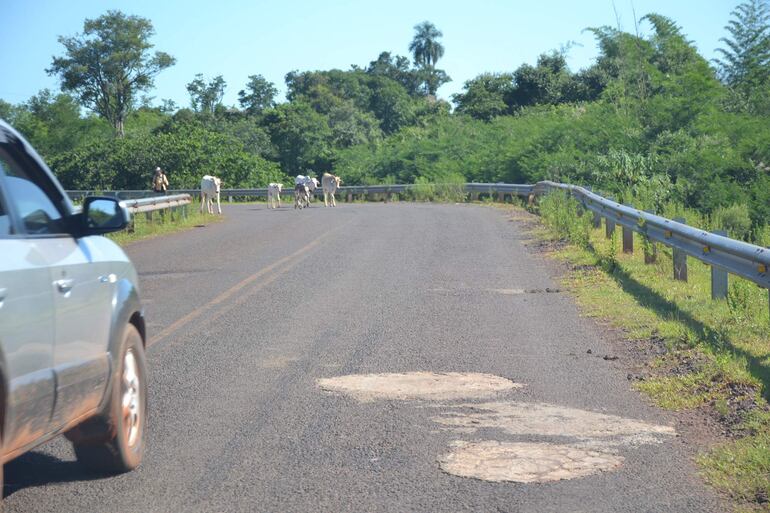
{"x": 114, "y": 441}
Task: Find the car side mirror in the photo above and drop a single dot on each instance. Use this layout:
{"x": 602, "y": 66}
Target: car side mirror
{"x": 103, "y": 215}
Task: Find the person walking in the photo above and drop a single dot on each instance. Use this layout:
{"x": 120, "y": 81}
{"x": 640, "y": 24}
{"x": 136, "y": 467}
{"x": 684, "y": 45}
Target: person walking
{"x": 159, "y": 181}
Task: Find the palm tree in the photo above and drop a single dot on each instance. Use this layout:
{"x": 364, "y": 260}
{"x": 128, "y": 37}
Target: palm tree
{"x": 425, "y": 47}
{"x": 427, "y": 51}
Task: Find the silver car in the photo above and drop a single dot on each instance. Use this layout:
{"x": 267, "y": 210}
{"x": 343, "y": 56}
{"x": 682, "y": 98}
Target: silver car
{"x": 72, "y": 332}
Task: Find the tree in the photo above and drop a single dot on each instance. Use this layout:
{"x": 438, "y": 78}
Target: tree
{"x": 745, "y": 63}
{"x": 396, "y": 68}
{"x": 206, "y": 97}
{"x": 427, "y": 51}
{"x": 258, "y": 95}
{"x": 485, "y": 96}
{"x": 109, "y": 64}
{"x": 302, "y": 136}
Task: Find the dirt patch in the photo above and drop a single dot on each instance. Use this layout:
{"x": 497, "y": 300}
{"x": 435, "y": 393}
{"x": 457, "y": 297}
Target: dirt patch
{"x": 525, "y": 462}
{"x": 731, "y": 411}
{"x": 583, "y": 427}
{"x": 419, "y": 386}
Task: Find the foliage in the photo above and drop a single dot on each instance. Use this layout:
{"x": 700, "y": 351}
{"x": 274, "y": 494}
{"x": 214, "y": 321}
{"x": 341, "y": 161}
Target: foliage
{"x": 564, "y": 216}
{"x": 745, "y": 62}
{"x": 485, "y": 96}
{"x": 185, "y": 155}
{"x": 206, "y": 97}
{"x": 109, "y": 64}
{"x": 258, "y": 95}
{"x": 426, "y": 51}
{"x": 735, "y": 219}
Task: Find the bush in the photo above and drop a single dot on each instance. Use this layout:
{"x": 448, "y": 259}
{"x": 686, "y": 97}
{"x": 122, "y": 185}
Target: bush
{"x": 560, "y": 212}
{"x": 735, "y": 219}
{"x": 128, "y": 163}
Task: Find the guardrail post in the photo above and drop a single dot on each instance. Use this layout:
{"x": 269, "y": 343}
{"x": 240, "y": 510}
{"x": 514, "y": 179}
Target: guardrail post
{"x": 597, "y": 222}
{"x": 650, "y": 246}
{"x": 719, "y": 277}
{"x": 500, "y": 197}
{"x": 680, "y": 259}
{"x": 609, "y": 227}
{"x": 628, "y": 240}
{"x": 349, "y": 197}
{"x": 387, "y": 197}
{"x": 229, "y": 199}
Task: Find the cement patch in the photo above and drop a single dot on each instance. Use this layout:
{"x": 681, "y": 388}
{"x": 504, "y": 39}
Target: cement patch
{"x": 588, "y": 428}
{"x": 524, "y": 462}
{"x": 432, "y": 386}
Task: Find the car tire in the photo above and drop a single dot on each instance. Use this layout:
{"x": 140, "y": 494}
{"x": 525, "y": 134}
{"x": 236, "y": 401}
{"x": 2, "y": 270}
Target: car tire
{"x": 113, "y": 442}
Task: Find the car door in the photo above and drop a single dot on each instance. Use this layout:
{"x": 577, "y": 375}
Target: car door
{"x": 26, "y": 330}
{"x": 82, "y": 292}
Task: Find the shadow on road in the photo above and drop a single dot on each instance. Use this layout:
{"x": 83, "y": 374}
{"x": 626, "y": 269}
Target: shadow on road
{"x": 38, "y": 469}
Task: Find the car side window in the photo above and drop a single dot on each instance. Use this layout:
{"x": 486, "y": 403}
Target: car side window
{"x": 5, "y": 221}
{"x": 37, "y": 212}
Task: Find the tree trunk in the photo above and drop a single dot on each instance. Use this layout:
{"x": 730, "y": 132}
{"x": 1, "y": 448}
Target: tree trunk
{"x": 119, "y": 128}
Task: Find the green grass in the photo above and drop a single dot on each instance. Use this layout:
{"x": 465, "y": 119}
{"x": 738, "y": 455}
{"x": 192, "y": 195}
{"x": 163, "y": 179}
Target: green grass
{"x": 717, "y": 352}
{"x": 162, "y": 223}
{"x": 743, "y": 469}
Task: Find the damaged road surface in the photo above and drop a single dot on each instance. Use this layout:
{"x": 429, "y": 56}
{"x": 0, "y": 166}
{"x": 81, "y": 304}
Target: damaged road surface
{"x": 373, "y": 357}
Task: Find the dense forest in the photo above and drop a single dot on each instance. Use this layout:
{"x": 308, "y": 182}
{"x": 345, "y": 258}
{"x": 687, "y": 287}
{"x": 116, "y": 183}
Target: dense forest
{"x": 651, "y": 121}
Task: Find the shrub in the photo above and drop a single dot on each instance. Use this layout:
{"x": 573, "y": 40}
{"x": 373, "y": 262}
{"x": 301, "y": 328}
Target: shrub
{"x": 735, "y": 219}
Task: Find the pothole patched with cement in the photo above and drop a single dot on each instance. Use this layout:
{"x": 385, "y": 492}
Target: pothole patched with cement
{"x": 585, "y": 427}
{"x": 592, "y": 439}
{"x": 523, "y": 462}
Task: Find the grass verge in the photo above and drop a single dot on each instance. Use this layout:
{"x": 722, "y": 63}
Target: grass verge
{"x": 162, "y": 223}
{"x": 694, "y": 353}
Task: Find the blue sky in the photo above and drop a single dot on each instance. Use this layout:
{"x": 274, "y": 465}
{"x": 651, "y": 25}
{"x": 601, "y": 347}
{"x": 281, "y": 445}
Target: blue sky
{"x": 236, "y": 39}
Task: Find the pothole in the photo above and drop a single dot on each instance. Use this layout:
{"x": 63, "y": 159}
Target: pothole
{"x": 430, "y": 386}
{"x": 525, "y": 462}
{"x": 587, "y": 427}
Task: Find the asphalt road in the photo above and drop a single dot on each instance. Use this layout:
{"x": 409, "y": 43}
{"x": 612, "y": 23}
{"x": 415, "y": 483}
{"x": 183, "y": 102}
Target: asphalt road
{"x": 245, "y": 316}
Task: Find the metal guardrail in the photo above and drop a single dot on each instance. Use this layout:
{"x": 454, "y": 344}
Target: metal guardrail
{"x": 734, "y": 256}
{"x": 156, "y": 203}
{"x": 482, "y": 188}
{"x": 724, "y": 254}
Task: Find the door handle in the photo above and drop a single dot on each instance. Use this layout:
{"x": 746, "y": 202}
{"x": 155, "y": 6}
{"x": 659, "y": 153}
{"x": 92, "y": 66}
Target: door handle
{"x": 3, "y": 295}
{"x": 64, "y": 286}
{"x": 108, "y": 278}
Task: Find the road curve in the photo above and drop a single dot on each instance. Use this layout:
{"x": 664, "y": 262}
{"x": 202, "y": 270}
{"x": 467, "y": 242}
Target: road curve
{"x": 261, "y": 327}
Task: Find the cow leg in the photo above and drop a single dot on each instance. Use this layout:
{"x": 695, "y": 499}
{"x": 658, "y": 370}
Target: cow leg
{"x": 334, "y": 202}
{"x": 203, "y": 198}
{"x": 278, "y": 196}
{"x": 219, "y": 207}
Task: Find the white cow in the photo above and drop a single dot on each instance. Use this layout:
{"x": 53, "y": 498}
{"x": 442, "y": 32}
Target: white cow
{"x": 273, "y": 194}
{"x": 304, "y": 186}
{"x": 210, "y": 186}
{"x": 312, "y": 185}
{"x": 301, "y": 195}
{"x": 330, "y": 184}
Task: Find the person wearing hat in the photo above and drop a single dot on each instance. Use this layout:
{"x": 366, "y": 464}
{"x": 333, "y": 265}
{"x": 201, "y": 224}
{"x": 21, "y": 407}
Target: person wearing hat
{"x": 159, "y": 181}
